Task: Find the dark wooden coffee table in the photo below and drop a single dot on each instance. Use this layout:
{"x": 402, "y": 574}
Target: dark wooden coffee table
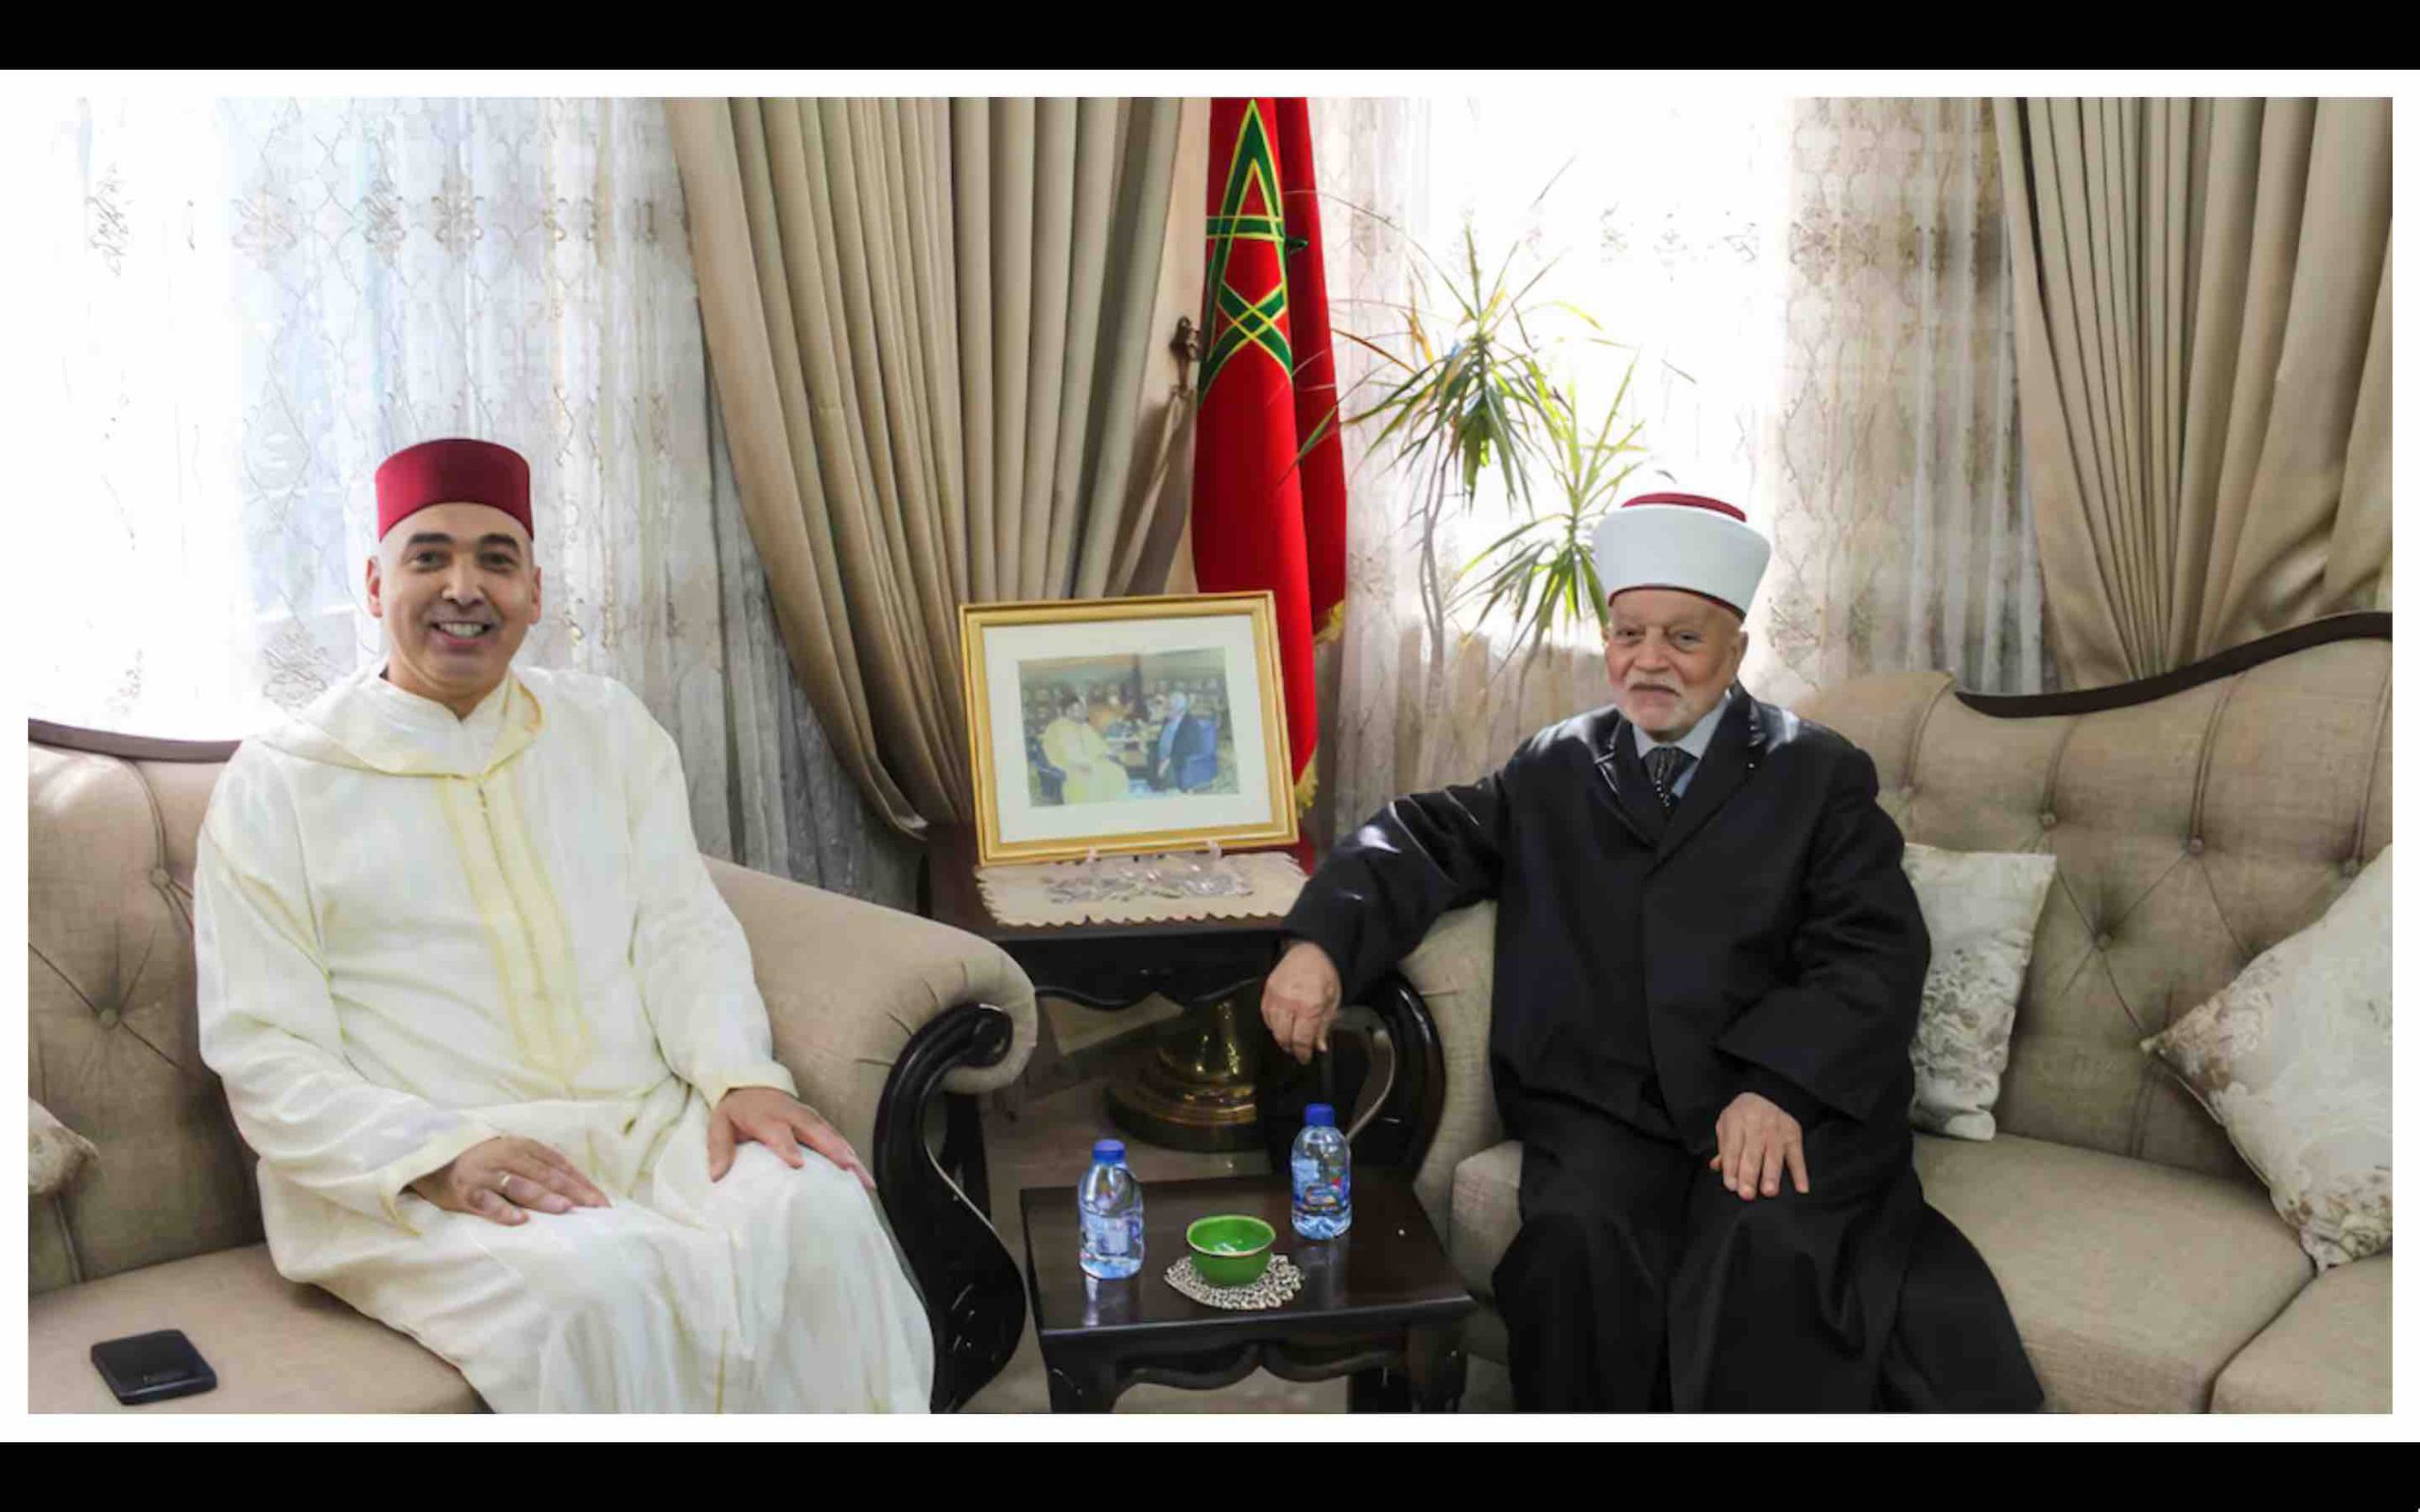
{"x": 1381, "y": 1304}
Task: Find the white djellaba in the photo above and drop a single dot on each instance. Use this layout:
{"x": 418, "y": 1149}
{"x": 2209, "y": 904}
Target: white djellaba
{"x": 415, "y": 933}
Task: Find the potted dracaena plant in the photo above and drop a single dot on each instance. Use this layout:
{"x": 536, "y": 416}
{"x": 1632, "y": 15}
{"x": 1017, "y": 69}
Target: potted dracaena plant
{"x": 1476, "y": 393}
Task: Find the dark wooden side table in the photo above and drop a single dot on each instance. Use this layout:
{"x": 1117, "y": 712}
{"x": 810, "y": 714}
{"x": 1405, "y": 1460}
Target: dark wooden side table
{"x": 1381, "y": 1303}
{"x": 1201, "y": 1090}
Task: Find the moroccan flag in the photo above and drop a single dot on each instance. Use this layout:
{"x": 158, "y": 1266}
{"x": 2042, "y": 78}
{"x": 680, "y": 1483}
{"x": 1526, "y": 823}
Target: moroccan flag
{"x": 1316, "y": 413}
{"x": 1265, "y": 513}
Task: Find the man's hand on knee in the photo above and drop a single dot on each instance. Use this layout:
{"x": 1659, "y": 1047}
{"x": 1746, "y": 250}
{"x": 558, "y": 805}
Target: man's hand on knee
{"x": 1301, "y": 999}
{"x": 1754, "y": 1141}
{"x": 507, "y": 1178}
{"x": 768, "y": 1116}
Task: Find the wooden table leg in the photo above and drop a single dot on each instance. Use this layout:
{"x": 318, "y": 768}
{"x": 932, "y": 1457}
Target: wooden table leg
{"x": 1433, "y": 1359}
{"x": 1082, "y": 1384}
{"x": 1378, "y": 1390}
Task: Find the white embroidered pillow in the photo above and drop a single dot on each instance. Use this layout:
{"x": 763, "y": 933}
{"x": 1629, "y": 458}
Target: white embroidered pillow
{"x": 1981, "y": 908}
{"x": 54, "y": 1152}
{"x": 2294, "y": 1060}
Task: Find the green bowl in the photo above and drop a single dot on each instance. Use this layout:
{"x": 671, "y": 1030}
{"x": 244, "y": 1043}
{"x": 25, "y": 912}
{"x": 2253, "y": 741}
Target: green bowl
{"x": 1230, "y": 1248}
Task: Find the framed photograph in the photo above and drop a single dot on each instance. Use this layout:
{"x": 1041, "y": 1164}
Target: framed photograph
{"x": 1125, "y": 725}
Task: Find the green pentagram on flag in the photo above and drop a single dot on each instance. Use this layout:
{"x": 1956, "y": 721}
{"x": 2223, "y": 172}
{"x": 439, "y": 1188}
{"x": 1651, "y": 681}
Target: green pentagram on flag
{"x": 1248, "y": 211}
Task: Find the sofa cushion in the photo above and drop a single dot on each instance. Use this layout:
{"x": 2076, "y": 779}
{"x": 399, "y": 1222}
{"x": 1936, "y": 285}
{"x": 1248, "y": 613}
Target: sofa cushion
{"x": 2295, "y": 1059}
{"x": 1980, "y": 908}
{"x": 2132, "y": 1283}
{"x": 1454, "y": 972}
{"x": 277, "y": 1346}
{"x": 54, "y": 1152}
{"x": 1487, "y": 1209}
{"x": 2332, "y": 1352}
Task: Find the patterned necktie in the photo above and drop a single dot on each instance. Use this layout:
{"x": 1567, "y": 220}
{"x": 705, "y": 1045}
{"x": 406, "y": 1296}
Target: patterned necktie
{"x": 1665, "y": 764}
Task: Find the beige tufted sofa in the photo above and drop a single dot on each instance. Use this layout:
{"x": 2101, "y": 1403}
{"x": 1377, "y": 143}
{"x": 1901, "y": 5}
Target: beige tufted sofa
{"x": 2198, "y": 819}
{"x": 877, "y": 1013}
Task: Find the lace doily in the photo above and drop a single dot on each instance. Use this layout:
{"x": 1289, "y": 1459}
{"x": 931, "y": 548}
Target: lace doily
{"x": 1275, "y": 1288}
{"x": 1141, "y": 889}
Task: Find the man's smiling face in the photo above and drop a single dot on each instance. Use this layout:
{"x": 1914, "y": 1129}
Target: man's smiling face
{"x": 457, "y": 590}
{"x": 1671, "y": 653}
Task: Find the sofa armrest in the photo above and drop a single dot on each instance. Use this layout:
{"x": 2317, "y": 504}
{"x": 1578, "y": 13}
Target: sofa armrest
{"x": 848, "y": 984}
{"x": 1454, "y": 971}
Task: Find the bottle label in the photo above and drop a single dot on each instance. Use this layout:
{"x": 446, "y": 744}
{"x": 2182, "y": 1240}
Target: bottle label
{"x": 1313, "y": 1194}
{"x": 1104, "y": 1234}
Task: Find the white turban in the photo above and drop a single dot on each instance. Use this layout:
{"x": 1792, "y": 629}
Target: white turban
{"x": 1682, "y": 540}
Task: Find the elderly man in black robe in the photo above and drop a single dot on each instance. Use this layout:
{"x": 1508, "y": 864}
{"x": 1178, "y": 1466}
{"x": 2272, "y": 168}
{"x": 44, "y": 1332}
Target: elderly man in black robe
{"x": 1708, "y": 966}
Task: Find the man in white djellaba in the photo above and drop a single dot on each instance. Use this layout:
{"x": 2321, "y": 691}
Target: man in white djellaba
{"x": 495, "y": 1036}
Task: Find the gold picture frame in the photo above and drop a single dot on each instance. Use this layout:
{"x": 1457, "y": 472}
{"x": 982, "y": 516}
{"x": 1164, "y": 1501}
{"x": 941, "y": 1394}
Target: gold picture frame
{"x": 1147, "y": 745}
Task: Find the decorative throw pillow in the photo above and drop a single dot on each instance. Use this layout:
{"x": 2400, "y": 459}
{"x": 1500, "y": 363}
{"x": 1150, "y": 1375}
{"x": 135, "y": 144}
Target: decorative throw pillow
{"x": 2294, "y": 1060}
{"x": 1981, "y": 908}
{"x": 56, "y": 1153}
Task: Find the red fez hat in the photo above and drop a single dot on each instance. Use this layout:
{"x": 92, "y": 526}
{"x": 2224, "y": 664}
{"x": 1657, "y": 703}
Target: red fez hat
{"x": 1693, "y": 501}
{"x": 453, "y": 472}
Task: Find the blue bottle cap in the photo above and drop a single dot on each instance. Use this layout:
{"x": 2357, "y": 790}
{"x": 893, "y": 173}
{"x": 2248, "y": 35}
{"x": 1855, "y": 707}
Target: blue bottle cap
{"x": 1113, "y": 1151}
{"x": 1320, "y": 1114}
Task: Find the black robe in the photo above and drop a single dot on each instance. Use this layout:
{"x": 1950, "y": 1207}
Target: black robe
{"x": 1649, "y": 968}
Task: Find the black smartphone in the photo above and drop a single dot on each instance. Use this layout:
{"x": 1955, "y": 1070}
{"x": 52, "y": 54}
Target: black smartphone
{"x": 153, "y": 1366}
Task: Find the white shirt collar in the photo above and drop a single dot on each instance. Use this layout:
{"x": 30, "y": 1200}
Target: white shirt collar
{"x": 474, "y": 733}
{"x": 1701, "y": 734}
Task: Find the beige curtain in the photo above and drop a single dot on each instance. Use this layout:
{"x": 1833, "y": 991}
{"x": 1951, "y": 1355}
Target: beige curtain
{"x": 936, "y": 333}
{"x": 2205, "y": 309}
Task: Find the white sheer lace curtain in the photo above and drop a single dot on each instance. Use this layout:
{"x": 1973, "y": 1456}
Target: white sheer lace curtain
{"x": 256, "y": 301}
{"x": 1815, "y": 295}
{"x": 1903, "y": 536}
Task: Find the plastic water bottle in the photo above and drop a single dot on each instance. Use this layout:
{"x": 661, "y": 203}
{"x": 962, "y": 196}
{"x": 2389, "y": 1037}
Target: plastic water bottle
{"x": 1323, "y": 1176}
{"x": 1109, "y": 1204}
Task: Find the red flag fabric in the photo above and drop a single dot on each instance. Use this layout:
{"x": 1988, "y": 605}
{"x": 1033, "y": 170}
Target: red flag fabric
{"x": 1317, "y": 417}
{"x": 1254, "y": 496}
